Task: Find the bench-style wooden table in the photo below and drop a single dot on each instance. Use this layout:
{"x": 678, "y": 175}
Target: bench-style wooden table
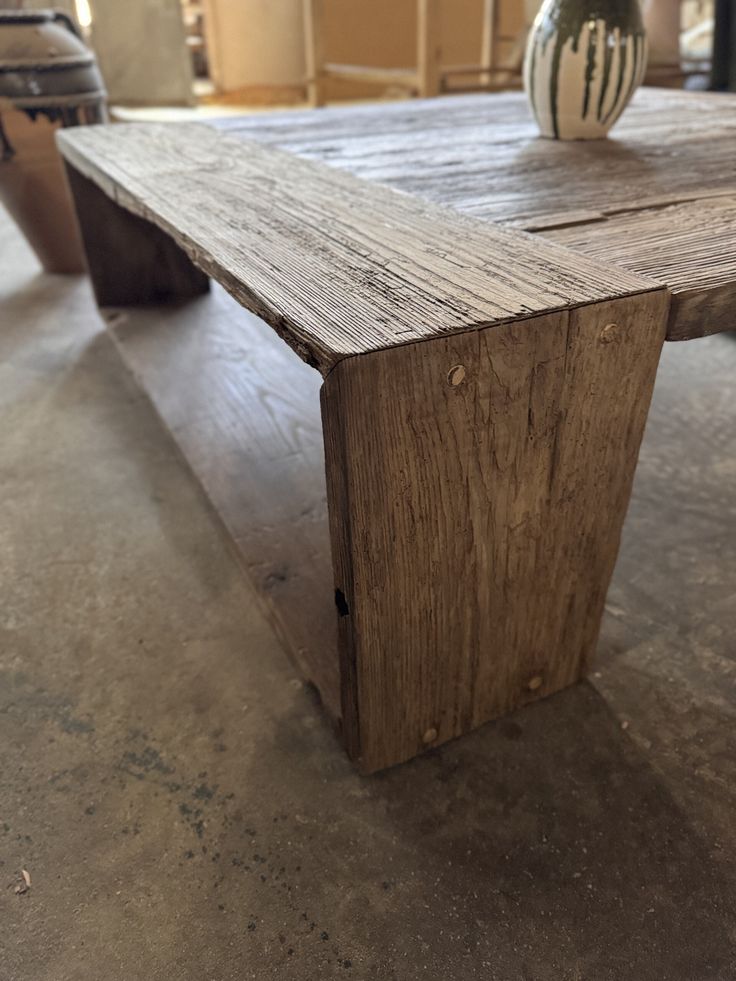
{"x": 485, "y": 389}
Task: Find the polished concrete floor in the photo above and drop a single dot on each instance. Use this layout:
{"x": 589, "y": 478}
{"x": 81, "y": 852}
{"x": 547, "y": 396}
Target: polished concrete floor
{"x": 183, "y": 811}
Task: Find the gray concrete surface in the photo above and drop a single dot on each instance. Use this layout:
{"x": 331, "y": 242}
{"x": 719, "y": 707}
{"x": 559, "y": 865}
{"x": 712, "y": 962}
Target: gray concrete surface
{"x": 183, "y": 810}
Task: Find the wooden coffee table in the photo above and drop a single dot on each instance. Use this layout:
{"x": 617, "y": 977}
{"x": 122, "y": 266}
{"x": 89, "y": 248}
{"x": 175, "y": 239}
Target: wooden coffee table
{"x": 485, "y": 390}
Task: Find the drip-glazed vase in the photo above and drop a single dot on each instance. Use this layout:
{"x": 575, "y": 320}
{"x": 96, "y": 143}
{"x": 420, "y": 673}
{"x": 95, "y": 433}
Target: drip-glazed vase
{"x": 48, "y": 79}
{"x": 584, "y": 61}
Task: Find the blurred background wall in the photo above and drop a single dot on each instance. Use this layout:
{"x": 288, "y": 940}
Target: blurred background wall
{"x": 141, "y": 48}
{"x": 258, "y": 43}
{"x": 251, "y": 52}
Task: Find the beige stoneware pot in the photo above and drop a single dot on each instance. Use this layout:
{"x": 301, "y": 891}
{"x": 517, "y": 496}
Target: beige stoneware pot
{"x": 48, "y": 79}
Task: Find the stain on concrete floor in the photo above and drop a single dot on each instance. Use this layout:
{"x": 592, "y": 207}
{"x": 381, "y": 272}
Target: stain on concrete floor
{"x": 183, "y": 810}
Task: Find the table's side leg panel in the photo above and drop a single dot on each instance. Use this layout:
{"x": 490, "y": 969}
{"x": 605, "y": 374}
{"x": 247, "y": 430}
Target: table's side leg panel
{"x": 477, "y": 486}
{"x": 565, "y": 434}
{"x": 337, "y": 452}
{"x": 130, "y": 260}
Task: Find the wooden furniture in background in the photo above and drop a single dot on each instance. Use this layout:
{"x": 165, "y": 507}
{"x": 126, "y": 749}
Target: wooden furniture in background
{"x": 430, "y": 76}
{"x": 422, "y": 80}
{"x": 193, "y": 15}
{"x": 484, "y": 391}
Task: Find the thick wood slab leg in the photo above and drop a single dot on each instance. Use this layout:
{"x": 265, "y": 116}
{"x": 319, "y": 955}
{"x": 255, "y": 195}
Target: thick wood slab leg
{"x": 130, "y": 260}
{"x": 477, "y": 487}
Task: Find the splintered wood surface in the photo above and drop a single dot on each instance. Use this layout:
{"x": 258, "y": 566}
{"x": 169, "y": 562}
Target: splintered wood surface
{"x": 474, "y": 560}
{"x": 244, "y": 411}
{"x": 338, "y": 266}
{"x": 690, "y": 247}
{"x": 482, "y": 153}
{"x": 482, "y": 156}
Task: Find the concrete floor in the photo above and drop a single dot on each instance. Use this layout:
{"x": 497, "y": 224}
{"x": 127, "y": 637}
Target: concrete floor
{"x": 185, "y": 813}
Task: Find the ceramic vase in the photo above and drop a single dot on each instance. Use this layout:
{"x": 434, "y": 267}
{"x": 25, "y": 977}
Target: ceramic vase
{"x": 584, "y": 61}
{"x": 48, "y": 79}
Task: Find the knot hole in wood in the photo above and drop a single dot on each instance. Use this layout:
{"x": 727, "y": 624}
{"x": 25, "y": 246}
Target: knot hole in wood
{"x": 341, "y": 603}
{"x": 609, "y": 334}
{"x": 456, "y": 375}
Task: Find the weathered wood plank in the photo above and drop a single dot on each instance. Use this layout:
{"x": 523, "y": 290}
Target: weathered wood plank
{"x": 481, "y": 155}
{"x": 477, "y": 486}
{"x": 338, "y": 266}
{"x": 690, "y": 247}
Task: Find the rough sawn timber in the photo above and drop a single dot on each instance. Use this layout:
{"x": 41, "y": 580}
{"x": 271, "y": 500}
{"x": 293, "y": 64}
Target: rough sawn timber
{"x": 690, "y": 247}
{"x": 482, "y": 156}
{"x": 338, "y": 266}
{"x": 478, "y": 485}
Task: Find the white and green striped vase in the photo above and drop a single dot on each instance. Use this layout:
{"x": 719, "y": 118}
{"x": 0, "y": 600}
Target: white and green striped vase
{"x": 584, "y": 61}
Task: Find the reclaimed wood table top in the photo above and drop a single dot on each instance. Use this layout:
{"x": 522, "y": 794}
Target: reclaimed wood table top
{"x": 658, "y": 198}
{"x": 657, "y": 201}
{"x": 336, "y": 265}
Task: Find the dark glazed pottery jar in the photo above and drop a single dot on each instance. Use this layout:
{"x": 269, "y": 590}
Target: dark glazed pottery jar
{"x": 584, "y": 61}
{"x": 48, "y": 79}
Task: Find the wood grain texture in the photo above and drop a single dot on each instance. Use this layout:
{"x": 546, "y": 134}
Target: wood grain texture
{"x": 336, "y": 265}
{"x": 476, "y": 525}
{"x": 130, "y": 260}
{"x": 690, "y": 247}
{"x": 481, "y": 155}
{"x": 244, "y": 411}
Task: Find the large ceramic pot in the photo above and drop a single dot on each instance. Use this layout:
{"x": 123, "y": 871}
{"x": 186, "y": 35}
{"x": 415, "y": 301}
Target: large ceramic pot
{"x": 48, "y": 79}
{"x": 584, "y": 60}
